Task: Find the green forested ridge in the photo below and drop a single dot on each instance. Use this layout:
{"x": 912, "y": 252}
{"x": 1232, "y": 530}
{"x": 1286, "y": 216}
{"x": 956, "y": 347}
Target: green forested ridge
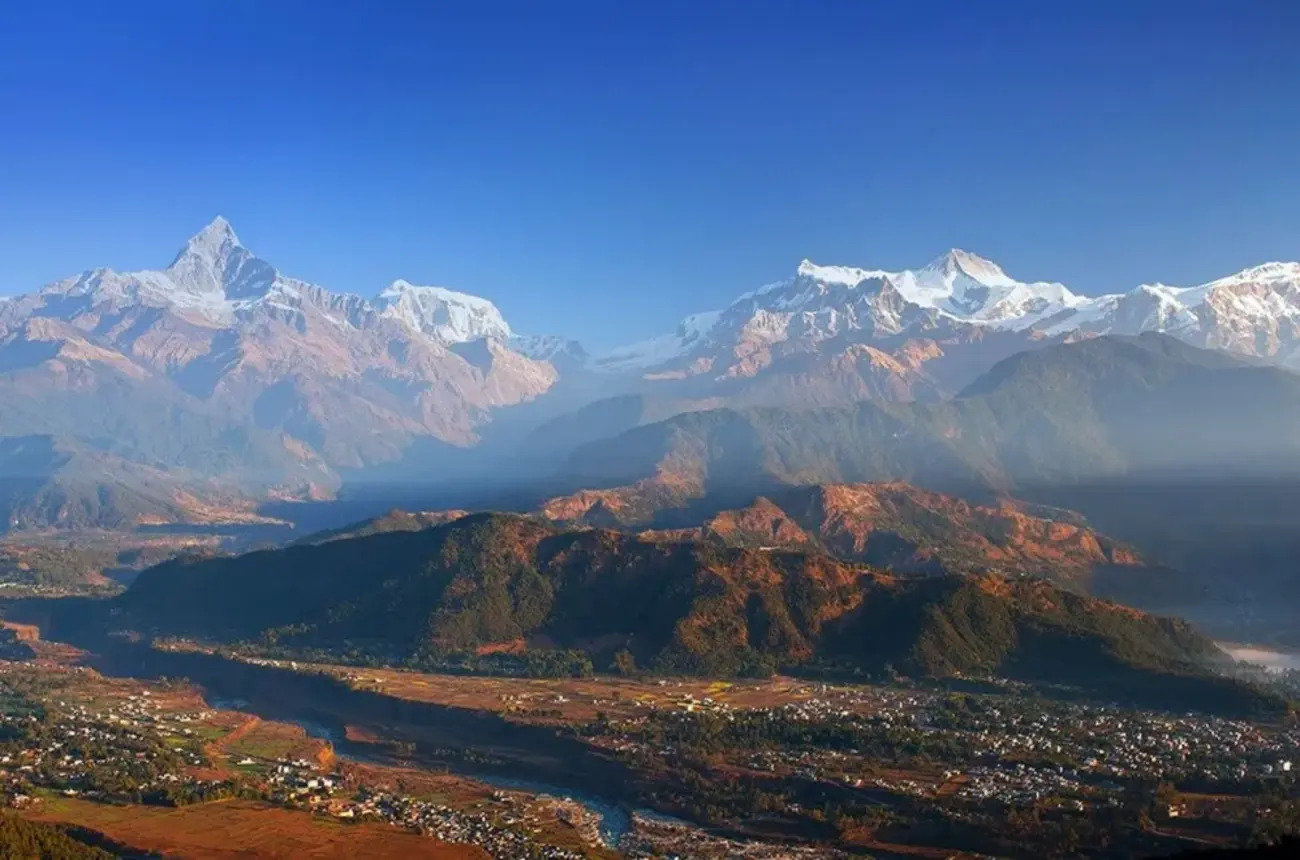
{"x": 493, "y": 581}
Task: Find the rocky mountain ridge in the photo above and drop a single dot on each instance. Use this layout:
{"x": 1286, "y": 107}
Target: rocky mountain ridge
{"x": 225, "y": 327}
{"x": 219, "y": 351}
{"x": 893, "y": 526}
{"x": 832, "y": 334}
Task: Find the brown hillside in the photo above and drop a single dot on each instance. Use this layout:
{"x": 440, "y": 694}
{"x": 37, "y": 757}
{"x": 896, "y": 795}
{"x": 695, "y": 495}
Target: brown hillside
{"x": 910, "y": 530}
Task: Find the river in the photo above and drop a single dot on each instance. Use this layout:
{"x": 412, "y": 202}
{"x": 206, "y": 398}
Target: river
{"x": 615, "y": 819}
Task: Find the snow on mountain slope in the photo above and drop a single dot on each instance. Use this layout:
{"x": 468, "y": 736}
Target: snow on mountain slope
{"x": 214, "y": 279}
{"x": 210, "y": 279}
{"x": 959, "y": 285}
{"x": 447, "y": 315}
{"x": 353, "y": 379}
{"x": 1256, "y": 311}
{"x": 822, "y": 302}
{"x": 213, "y": 262}
{"x": 549, "y": 347}
{"x": 971, "y": 288}
{"x": 688, "y": 335}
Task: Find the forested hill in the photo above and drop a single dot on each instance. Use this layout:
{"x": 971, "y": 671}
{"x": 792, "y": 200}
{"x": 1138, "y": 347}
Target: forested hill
{"x": 495, "y": 582}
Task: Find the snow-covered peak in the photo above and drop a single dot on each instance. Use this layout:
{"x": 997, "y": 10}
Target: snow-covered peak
{"x": 214, "y": 263}
{"x": 1276, "y": 278}
{"x": 215, "y": 280}
{"x": 956, "y": 264}
{"x": 1228, "y": 311}
{"x": 216, "y": 235}
{"x": 822, "y": 301}
{"x": 959, "y": 284}
{"x": 209, "y": 248}
{"x": 446, "y": 315}
{"x": 970, "y": 288}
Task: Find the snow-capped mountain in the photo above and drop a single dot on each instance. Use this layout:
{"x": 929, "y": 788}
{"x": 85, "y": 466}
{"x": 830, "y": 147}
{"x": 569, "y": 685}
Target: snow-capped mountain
{"x": 214, "y": 280}
{"x": 221, "y": 368}
{"x": 963, "y": 298}
{"x": 445, "y": 315}
{"x": 349, "y": 380}
{"x": 1254, "y": 312}
{"x": 959, "y": 285}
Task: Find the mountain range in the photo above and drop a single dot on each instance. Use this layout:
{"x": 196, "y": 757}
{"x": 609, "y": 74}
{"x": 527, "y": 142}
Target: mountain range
{"x": 1110, "y": 407}
{"x": 350, "y": 377}
{"x": 220, "y": 367}
{"x": 961, "y": 297}
{"x": 220, "y": 378}
{"x": 831, "y": 335}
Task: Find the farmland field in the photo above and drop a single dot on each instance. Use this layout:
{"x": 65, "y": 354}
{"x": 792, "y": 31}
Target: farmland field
{"x": 238, "y": 828}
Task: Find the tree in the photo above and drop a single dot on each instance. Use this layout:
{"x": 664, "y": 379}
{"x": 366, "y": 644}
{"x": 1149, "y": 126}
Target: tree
{"x": 625, "y": 663}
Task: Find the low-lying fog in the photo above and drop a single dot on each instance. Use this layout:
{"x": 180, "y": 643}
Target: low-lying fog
{"x": 1270, "y": 659}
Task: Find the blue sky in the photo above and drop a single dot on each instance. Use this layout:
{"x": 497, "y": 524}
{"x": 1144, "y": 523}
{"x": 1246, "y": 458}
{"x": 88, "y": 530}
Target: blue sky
{"x": 600, "y": 169}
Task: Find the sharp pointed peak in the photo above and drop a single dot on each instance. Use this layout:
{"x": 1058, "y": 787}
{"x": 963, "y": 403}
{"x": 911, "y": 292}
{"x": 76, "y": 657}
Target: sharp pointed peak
{"x": 960, "y": 257}
{"x": 978, "y": 268}
{"x": 209, "y": 247}
{"x": 217, "y": 231}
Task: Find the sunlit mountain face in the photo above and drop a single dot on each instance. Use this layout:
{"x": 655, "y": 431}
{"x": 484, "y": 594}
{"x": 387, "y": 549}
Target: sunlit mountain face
{"x": 260, "y": 383}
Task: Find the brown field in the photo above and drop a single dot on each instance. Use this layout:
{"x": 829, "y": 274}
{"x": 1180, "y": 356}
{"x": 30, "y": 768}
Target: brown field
{"x": 237, "y": 828}
{"x": 576, "y": 699}
{"x": 24, "y": 632}
{"x": 54, "y": 653}
{"x": 269, "y": 742}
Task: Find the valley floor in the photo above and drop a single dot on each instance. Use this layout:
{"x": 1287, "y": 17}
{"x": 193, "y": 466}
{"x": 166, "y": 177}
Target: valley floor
{"x": 267, "y": 758}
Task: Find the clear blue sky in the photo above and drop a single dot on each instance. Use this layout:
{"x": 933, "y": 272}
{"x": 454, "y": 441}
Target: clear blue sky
{"x": 602, "y": 168}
